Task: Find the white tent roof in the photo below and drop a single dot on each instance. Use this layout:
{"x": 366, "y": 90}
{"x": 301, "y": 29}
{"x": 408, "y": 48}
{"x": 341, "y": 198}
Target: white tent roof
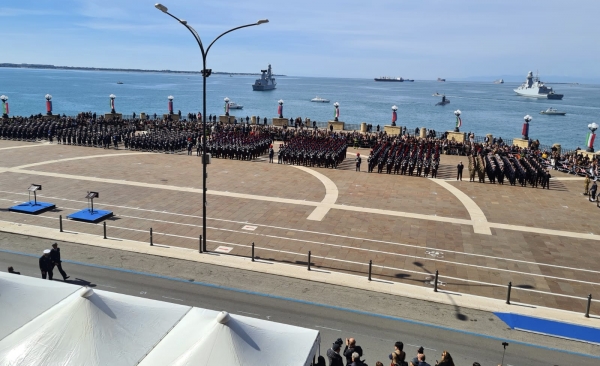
{"x": 53, "y": 323}
{"x": 23, "y": 298}
{"x": 209, "y": 338}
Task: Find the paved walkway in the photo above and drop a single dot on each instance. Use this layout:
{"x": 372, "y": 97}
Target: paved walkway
{"x": 478, "y": 236}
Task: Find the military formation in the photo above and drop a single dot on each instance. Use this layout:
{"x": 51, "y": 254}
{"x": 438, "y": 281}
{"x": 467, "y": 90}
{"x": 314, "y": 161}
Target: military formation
{"x": 418, "y": 158}
{"x": 308, "y": 150}
{"x": 238, "y": 145}
{"x": 524, "y": 170}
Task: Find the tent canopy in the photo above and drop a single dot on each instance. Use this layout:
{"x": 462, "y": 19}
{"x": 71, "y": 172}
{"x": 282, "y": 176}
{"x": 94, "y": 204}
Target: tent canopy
{"x": 53, "y": 323}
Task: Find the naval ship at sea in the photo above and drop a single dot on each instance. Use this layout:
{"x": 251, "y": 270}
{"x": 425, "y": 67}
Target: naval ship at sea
{"x": 266, "y": 81}
{"x": 534, "y": 88}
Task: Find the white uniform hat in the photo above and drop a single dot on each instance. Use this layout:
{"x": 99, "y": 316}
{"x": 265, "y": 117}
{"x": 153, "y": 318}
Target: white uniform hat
{"x": 46, "y": 251}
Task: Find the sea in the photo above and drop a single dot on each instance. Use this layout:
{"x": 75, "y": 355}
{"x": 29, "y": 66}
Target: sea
{"x": 486, "y": 107}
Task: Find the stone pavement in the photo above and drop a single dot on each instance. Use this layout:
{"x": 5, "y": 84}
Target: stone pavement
{"x": 478, "y": 236}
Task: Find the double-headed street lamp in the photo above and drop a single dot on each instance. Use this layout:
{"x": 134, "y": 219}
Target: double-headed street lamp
{"x": 205, "y": 73}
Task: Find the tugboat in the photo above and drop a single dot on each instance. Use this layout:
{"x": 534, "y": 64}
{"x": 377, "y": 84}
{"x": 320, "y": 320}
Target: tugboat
{"x": 499, "y": 81}
{"x": 441, "y": 80}
{"x": 534, "y": 88}
{"x": 266, "y": 81}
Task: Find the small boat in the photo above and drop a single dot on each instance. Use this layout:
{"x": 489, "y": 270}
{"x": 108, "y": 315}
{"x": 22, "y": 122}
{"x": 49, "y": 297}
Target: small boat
{"x": 440, "y": 79}
{"x": 409, "y": 80}
{"x": 553, "y": 112}
{"x": 499, "y": 81}
{"x": 318, "y": 99}
{"x": 388, "y": 78}
{"x": 233, "y": 105}
{"x": 436, "y": 94}
{"x": 119, "y": 82}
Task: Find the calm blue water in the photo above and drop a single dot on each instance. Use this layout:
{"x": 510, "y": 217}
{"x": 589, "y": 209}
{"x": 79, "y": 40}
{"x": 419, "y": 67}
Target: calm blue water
{"x": 486, "y": 107}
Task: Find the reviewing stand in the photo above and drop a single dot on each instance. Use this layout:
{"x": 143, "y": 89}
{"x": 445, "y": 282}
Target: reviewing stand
{"x": 33, "y": 207}
{"x": 89, "y": 214}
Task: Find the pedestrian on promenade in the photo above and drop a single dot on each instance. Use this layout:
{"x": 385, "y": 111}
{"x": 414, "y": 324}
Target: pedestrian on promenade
{"x": 446, "y": 360}
{"x": 55, "y": 257}
{"x": 12, "y": 270}
{"x": 459, "y": 170}
{"x": 398, "y": 356}
{"x": 358, "y": 162}
{"x": 350, "y": 349}
{"x": 587, "y": 182}
{"x": 46, "y": 265}
{"x": 593, "y": 191}
{"x": 333, "y": 354}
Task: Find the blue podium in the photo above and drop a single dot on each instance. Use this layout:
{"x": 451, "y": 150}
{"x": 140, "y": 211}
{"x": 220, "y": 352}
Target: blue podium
{"x": 89, "y": 214}
{"x": 33, "y": 207}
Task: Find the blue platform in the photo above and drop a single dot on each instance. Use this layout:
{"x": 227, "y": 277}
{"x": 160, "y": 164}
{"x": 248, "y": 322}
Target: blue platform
{"x": 31, "y": 208}
{"x": 90, "y": 216}
{"x": 551, "y": 327}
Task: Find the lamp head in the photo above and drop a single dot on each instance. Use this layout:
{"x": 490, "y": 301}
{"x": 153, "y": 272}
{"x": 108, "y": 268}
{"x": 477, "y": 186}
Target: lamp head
{"x": 262, "y": 21}
{"x": 112, "y": 96}
{"x": 170, "y": 97}
{"x": 336, "y": 104}
{"x": 184, "y": 22}
{"x": 593, "y": 126}
{"x": 394, "y": 108}
{"x": 161, "y": 7}
{"x": 527, "y": 118}
{"x": 280, "y": 101}
{"x": 226, "y": 100}
{"x": 457, "y": 112}
{"x": 48, "y": 97}
{"x": 3, "y": 98}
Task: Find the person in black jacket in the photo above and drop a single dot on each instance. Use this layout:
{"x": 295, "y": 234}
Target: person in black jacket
{"x": 350, "y": 348}
{"x": 55, "y": 258}
{"x": 46, "y": 265}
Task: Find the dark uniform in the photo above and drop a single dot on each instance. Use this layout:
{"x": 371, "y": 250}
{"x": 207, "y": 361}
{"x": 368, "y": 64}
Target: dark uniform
{"x": 358, "y": 161}
{"x": 46, "y": 266}
{"x": 55, "y": 257}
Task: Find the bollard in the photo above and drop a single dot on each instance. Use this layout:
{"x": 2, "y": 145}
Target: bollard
{"x": 203, "y": 245}
{"x": 370, "y": 267}
{"x": 587, "y": 312}
{"x": 436, "y": 281}
{"x": 104, "y": 224}
{"x": 151, "y": 243}
{"x": 200, "y": 244}
{"x": 508, "y": 295}
{"x": 60, "y": 223}
{"x": 309, "y": 260}
{"x": 252, "y": 251}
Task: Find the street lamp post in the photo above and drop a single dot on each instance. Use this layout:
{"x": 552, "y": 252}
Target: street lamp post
{"x": 525, "y": 131}
{"x": 112, "y": 103}
{"x": 457, "y": 113}
{"x": 205, "y": 73}
{"x": 394, "y": 115}
{"x": 48, "y": 104}
{"x": 170, "y": 98}
{"x": 336, "y": 114}
{"x": 4, "y": 99}
{"x": 226, "y": 100}
{"x": 591, "y": 137}
{"x": 280, "y": 108}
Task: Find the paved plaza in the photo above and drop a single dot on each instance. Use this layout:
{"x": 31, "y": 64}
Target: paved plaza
{"x": 478, "y": 236}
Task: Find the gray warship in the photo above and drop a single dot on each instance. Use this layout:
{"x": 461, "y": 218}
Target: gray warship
{"x": 266, "y": 81}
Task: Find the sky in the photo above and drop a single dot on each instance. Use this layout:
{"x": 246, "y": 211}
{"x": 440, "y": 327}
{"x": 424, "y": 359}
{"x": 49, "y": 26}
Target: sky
{"x": 418, "y": 39}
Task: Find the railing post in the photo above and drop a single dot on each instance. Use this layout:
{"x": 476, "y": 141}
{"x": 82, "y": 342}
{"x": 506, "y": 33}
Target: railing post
{"x": 309, "y": 260}
{"x": 200, "y": 244}
{"x": 151, "y": 243}
{"x": 60, "y": 223}
{"x": 508, "y": 294}
{"x": 252, "y": 251}
{"x": 370, "y": 268}
{"x": 587, "y": 311}
{"x": 436, "y": 281}
{"x": 104, "y": 224}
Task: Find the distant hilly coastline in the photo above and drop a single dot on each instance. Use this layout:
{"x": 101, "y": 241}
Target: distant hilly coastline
{"x": 52, "y": 67}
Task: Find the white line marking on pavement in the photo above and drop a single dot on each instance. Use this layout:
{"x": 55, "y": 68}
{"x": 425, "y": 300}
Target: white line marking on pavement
{"x": 25, "y": 146}
{"x": 171, "y": 298}
{"x": 245, "y": 312}
{"x": 331, "y": 193}
{"x": 480, "y": 222}
{"x": 336, "y": 330}
{"x": 106, "y": 286}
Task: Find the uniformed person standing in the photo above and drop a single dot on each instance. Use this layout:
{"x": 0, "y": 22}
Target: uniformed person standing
{"x": 459, "y": 170}
{"x": 46, "y": 265}
{"x": 358, "y": 162}
{"x": 271, "y": 154}
{"x": 55, "y": 257}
